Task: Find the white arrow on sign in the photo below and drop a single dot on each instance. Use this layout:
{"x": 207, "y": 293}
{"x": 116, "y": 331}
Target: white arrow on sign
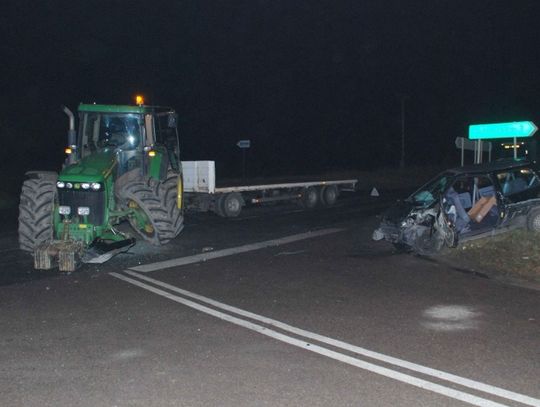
{"x": 244, "y": 144}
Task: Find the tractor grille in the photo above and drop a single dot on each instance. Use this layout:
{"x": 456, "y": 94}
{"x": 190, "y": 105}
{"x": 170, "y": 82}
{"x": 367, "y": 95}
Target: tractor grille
{"x": 95, "y": 200}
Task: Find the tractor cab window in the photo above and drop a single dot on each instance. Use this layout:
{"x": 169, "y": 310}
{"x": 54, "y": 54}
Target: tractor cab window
{"x": 167, "y": 136}
{"x": 102, "y": 132}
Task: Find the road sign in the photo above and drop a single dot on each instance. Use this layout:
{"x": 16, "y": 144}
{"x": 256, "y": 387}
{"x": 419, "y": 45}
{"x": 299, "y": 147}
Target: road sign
{"x": 462, "y": 142}
{"x": 244, "y": 144}
{"x": 502, "y": 130}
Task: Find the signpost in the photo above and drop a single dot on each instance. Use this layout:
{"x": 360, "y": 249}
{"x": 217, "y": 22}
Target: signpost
{"x": 502, "y": 130}
{"x": 464, "y": 144}
{"x": 243, "y": 145}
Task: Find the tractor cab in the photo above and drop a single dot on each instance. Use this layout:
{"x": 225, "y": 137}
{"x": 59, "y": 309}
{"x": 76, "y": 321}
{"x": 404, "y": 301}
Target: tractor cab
{"x": 140, "y": 137}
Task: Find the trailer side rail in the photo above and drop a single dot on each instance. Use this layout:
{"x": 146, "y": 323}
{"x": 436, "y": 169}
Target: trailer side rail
{"x": 350, "y": 182}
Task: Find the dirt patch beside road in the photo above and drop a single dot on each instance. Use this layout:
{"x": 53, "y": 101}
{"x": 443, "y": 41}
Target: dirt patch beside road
{"x": 511, "y": 255}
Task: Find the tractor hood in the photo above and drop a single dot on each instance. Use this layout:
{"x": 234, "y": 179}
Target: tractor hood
{"x": 94, "y": 168}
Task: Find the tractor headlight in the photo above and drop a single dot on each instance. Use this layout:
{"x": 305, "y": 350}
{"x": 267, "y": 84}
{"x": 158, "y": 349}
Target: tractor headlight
{"x": 96, "y": 186}
{"x": 85, "y": 185}
{"x": 83, "y": 210}
{"x": 60, "y": 184}
{"x": 69, "y": 185}
{"x": 64, "y": 210}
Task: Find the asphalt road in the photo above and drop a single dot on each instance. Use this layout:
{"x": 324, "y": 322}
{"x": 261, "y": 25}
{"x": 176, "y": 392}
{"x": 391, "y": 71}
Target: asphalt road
{"x": 276, "y": 308}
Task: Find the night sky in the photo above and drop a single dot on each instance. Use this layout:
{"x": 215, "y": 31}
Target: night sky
{"x": 315, "y": 85}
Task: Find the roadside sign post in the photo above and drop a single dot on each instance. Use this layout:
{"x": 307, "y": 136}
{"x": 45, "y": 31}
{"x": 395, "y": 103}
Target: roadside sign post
{"x": 511, "y": 130}
{"x": 243, "y": 145}
{"x": 478, "y": 148}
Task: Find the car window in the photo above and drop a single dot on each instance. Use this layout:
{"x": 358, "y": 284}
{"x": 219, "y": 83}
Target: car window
{"x": 517, "y": 180}
{"x": 465, "y": 191}
{"x": 430, "y": 192}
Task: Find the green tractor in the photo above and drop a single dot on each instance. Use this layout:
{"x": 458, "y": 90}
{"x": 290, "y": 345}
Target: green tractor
{"x": 122, "y": 165}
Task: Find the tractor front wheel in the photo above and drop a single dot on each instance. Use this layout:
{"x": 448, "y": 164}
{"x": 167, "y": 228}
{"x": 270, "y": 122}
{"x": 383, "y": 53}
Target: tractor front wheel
{"x": 36, "y": 211}
{"x": 154, "y": 216}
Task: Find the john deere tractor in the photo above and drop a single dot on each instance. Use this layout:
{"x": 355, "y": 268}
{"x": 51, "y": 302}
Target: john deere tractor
{"x": 122, "y": 165}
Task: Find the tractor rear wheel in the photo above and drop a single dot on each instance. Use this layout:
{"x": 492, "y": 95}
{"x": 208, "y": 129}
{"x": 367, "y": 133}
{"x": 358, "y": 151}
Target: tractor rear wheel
{"x": 156, "y": 217}
{"x": 36, "y": 207}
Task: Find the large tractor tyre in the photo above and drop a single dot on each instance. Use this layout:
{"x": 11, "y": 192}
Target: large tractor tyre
{"x": 533, "y": 220}
{"x": 36, "y": 212}
{"x": 231, "y": 204}
{"x": 329, "y": 195}
{"x": 155, "y": 220}
{"x": 309, "y": 198}
{"x": 172, "y": 190}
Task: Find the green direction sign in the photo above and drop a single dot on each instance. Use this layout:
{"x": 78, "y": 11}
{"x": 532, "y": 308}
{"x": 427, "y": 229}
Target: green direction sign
{"x": 501, "y": 130}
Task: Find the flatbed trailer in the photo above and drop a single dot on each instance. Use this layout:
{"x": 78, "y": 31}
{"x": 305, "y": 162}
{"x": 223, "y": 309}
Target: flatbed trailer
{"x": 201, "y": 193}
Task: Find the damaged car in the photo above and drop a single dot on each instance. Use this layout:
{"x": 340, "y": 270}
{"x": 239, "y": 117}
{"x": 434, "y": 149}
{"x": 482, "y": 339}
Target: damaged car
{"x": 462, "y": 204}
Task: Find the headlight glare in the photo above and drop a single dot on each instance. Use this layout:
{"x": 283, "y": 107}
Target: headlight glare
{"x": 60, "y": 184}
{"x": 64, "y": 210}
{"x": 85, "y": 185}
{"x": 96, "y": 186}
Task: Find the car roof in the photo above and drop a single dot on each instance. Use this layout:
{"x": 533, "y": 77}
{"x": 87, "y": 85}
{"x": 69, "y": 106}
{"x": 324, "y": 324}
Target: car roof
{"x": 499, "y": 165}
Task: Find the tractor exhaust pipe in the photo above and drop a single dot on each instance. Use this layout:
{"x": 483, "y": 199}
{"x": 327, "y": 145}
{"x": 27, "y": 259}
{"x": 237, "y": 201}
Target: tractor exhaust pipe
{"x": 72, "y": 135}
{"x": 72, "y": 140}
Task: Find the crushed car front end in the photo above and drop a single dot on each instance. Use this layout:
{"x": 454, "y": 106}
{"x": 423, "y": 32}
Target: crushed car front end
{"x": 419, "y": 223}
{"x": 419, "y": 229}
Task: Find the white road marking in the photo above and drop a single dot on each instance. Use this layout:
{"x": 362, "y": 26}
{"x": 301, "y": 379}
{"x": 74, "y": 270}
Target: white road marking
{"x": 289, "y": 253}
{"x": 182, "y": 261}
{"x": 496, "y": 391}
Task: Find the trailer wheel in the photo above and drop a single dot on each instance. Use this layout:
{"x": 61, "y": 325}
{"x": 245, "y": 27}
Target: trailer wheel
{"x": 533, "y": 220}
{"x": 310, "y": 198}
{"x": 155, "y": 216}
{"x": 36, "y": 207}
{"x": 218, "y": 205}
{"x": 329, "y": 195}
{"x": 231, "y": 204}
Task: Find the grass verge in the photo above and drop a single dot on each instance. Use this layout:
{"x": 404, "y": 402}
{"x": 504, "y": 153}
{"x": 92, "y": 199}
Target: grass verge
{"x": 512, "y": 254}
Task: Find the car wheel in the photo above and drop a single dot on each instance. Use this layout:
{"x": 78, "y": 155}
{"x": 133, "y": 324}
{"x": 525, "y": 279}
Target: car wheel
{"x": 402, "y": 247}
{"x": 428, "y": 243}
{"x": 533, "y": 220}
